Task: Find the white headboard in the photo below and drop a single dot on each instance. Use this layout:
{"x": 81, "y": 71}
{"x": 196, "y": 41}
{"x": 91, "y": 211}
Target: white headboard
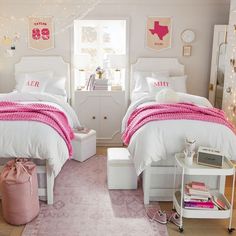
{"x": 45, "y": 63}
{"x": 156, "y": 64}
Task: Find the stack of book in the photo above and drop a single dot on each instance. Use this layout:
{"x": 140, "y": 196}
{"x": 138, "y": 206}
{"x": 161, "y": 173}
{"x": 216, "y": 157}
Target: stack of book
{"x": 100, "y": 84}
{"x": 197, "y": 196}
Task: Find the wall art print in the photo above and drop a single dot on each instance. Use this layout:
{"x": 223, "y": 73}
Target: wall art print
{"x": 41, "y": 35}
{"x": 158, "y": 33}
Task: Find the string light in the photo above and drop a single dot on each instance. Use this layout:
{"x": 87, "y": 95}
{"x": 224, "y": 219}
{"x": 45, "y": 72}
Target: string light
{"x": 230, "y": 98}
{"x": 64, "y": 19}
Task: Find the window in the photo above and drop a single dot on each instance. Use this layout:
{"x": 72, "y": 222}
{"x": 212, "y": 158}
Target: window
{"x": 96, "y": 44}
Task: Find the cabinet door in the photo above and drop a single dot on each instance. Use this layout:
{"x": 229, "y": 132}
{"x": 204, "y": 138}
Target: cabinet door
{"x": 111, "y": 116}
{"x": 88, "y": 112}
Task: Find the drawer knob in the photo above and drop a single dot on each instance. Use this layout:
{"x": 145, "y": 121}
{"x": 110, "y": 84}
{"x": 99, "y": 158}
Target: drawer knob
{"x": 229, "y": 90}
{"x": 105, "y": 117}
{"x": 94, "y": 117}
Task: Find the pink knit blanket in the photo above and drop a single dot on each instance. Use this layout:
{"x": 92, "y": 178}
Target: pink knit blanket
{"x": 49, "y": 115}
{"x": 179, "y": 111}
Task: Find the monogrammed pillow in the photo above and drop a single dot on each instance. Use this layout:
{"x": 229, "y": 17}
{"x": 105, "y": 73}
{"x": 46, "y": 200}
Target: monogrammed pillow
{"x": 140, "y": 81}
{"x": 157, "y": 84}
{"x": 23, "y": 84}
{"x": 33, "y": 85}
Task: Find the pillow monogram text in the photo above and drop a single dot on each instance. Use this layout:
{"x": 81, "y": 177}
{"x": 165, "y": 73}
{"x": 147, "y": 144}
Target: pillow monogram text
{"x": 161, "y": 84}
{"x": 33, "y": 83}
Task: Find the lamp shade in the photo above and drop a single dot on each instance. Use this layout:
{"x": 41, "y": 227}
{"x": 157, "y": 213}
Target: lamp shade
{"x": 117, "y": 61}
{"x": 82, "y": 61}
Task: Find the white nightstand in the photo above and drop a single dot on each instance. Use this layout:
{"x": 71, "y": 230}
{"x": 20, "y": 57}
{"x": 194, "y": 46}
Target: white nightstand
{"x": 102, "y": 111}
{"x": 195, "y": 169}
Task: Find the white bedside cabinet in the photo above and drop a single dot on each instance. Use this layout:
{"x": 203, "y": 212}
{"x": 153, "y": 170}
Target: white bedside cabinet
{"x": 102, "y": 111}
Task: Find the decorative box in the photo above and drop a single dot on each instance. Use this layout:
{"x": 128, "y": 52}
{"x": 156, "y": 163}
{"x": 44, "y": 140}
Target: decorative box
{"x": 121, "y": 173}
{"x": 84, "y": 145}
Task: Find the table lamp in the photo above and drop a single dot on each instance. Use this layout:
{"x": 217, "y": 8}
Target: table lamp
{"x": 81, "y": 63}
{"x": 117, "y": 62}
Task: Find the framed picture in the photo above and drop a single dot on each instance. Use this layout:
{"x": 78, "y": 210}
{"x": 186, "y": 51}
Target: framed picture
{"x": 158, "y": 33}
{"x": 41, "y": 35}
{"x": 187, "y": 50}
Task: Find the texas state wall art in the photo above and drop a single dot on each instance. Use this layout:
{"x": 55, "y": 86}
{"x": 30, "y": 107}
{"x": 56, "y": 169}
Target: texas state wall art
{"x": 158, "y": 35}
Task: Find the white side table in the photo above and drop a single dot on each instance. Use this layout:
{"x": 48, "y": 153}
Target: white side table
{"x": 102, "y": 111}
{"x": 195, "y": 169}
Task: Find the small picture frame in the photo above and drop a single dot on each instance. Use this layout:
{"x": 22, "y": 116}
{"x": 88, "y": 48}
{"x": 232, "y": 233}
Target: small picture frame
{"x": 187, "y": 50}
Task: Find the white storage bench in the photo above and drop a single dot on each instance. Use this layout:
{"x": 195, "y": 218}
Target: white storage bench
{"x": 120, "y": 169}
{"x": 84, "y": 145}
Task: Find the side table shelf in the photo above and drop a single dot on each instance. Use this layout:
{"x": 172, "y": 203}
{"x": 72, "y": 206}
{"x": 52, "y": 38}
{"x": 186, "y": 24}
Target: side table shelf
{"x": 207, "y": 214}
{"x": 195, "y": 169}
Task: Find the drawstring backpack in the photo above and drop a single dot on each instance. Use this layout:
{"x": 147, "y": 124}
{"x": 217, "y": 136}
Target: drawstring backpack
{"x": 19, "y": 188}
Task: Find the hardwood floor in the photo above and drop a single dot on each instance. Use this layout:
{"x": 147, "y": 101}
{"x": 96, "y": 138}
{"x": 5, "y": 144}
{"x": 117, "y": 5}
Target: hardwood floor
{"x": 192, "y": 227}
{"x": 9, "y": 230}
{"x": 199, "y": 227}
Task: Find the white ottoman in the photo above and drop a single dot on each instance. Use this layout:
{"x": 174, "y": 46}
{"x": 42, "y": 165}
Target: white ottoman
{"x": 120, "y": 169}
{"x": 84, "y": 145}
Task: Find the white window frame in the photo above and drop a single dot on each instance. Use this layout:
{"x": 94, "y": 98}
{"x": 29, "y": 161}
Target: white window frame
{"x": 127, "y": 69}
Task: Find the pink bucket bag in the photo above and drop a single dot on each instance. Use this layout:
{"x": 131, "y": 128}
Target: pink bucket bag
{"x": 19, "y": 188}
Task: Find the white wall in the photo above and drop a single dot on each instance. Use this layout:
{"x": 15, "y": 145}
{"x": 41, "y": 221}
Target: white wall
{"x": 199, "y": 15}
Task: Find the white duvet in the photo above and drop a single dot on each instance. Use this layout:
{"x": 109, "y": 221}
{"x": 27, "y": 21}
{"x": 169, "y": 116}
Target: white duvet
{"x": 160, "y": 140}
{"x": 35, "y": 139}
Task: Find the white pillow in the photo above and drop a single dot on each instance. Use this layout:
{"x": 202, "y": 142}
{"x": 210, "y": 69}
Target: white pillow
{"x": 33, "y": 85}
{"x": 179, "y": 83}
{"x": 157, "y": 84}
{"x": 140, "y": 81}
{"x": 20, "y": 79}
{"x": 167, "y": 95}
{"x": 56, "y": 86}
{"x": 37, "y": 76}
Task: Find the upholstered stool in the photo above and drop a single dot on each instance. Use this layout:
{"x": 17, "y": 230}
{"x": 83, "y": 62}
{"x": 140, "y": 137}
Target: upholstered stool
{"x": 121, "y": 173}
{"x": 84, "y": 145}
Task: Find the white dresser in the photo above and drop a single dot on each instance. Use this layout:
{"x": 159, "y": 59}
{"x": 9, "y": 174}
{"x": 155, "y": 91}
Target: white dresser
{"x": 102, "y": 111}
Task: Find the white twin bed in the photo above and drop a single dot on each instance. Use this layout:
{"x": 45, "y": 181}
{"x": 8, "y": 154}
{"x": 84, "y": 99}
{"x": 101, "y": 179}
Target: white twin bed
{"x": 32, "y": 139}
{"x": 154, "y": 145}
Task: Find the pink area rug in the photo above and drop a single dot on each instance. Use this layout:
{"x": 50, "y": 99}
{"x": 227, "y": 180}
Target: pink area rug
{"x": 83, "y": 206}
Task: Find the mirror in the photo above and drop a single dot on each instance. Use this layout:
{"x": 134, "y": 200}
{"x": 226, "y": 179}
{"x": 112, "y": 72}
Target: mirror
{"x": 216, "y": 86}
{"x": 220, "y": 75}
